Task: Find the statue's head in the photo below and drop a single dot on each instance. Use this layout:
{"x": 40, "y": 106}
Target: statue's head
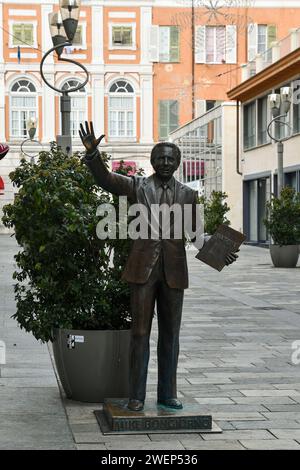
{"x": 165, "y": 159}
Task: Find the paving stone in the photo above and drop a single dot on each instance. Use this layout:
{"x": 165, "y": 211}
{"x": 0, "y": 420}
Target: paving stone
{"x": 213, "y": 445}
{"x": 266, "y": 401}
{"x": 285, "y": 408}
{"x": 238, "y": 435}
{"x": 91, "y": 447}
{"x": 275, "y": 444}
{"x": 266, "y": 424}
{"x": 271, "y": 393}
{"x": 128, "y": 445}
{"x": 286, "y": 433}
{"x": 211, "y": 401}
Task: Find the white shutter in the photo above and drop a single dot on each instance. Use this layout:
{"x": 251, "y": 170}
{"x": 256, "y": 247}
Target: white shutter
{"x": 154, "y": 44}
{"x": 200, "y": 51}
{"x": 231, "y": 44}
{"x": 200, "y": 107}
{"x": 252, "y": 41}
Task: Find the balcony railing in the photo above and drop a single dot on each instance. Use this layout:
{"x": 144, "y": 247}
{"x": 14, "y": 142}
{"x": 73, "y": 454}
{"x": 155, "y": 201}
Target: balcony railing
{"x": 278, "y": 50}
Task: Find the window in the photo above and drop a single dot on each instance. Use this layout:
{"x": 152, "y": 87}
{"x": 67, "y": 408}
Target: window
{"x": 296, "y": 107}
{"x": 168, "y": 117}
{"x": 23, "y": 34}
{"x": 78, "y": 106}
{"x": 121, "y": 110}
{"x": 250, "y": 125}
{"x": 79, "y": 40}
{"x": 260, "y": 38}
{"x": 23, "y": 105}
{"x": 216, "y": 44}
{"x": 262, "y": 112}
{"x": 210, "y": 104}
{"x": 122, "y": 35}
{"x": 168, "y": 44}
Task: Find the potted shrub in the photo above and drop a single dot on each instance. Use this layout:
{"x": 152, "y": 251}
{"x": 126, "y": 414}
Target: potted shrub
{"x": 68, "y": 291}
{"x": 283, "y": 225}
{"x": 215, "y": 210}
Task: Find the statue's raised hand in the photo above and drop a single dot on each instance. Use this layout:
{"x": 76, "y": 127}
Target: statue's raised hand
{"x": 88, "y": 138}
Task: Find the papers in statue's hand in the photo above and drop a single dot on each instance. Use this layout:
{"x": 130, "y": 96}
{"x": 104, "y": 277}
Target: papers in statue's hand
{"x": 223, "y": 242}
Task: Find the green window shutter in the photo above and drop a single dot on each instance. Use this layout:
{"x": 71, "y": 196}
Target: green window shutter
{"x": 163, "y": 119}
{"x": 173, "y": 115}
{"x": 117, "y": 35}
{"x": 174, "y": 44}
{"x": 78, "y": 36}
{"x": 127, "y": 36}
{"x": 28, "y": 34}
{"x": 17, "y": 34}
{"x": 271, "y": 34}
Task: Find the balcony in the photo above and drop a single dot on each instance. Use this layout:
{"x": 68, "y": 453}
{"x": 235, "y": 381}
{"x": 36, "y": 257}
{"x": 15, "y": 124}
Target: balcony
{"x": 278, "y": 50}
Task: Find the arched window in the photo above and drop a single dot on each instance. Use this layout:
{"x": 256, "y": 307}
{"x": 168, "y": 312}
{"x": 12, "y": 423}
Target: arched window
{"x": 121, "y": 110}
{"x": 23, "y": 105}
{"x": 78, "y": 106}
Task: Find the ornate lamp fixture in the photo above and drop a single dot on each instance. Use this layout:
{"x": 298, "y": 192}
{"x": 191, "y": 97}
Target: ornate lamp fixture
{"x": 69, "y": 10}
{"x": 63, "y": 27}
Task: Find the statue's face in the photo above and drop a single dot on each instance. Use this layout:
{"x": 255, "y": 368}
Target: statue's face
{"x": 165, "y": 163}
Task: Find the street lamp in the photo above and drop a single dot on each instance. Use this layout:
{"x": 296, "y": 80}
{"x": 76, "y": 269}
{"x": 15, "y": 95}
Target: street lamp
{"x": 63, "y": 27}
{"x": 31, "y": 127}
{"x": 280, "y": 105}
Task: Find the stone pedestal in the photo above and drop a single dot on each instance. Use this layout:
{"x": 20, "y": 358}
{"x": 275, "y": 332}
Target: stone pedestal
{"x": 115, "y": 418}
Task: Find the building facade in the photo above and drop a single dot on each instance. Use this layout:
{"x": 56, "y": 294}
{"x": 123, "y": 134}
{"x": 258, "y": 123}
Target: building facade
{"x": 258, "y": 153}
{"x": 209, "y": 157}
{"x": 154, "y": 65}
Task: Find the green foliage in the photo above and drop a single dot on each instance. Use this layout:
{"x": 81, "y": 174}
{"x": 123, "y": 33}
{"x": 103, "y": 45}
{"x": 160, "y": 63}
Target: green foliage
{"x": 64, "y": 277}
{"x": 283, "y": 217}
{"x": 215, "y": 210}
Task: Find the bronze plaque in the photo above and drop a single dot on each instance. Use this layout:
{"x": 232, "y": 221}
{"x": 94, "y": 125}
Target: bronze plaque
{"x": 115, "y": 417}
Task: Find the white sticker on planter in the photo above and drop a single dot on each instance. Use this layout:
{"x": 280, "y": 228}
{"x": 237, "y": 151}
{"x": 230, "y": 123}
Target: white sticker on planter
{"x": 79, "y": 339}
{"x": 2, "y": 353}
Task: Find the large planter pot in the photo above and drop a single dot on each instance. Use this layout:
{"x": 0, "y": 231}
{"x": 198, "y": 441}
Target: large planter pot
{"x": 285, "y": 256}
{"x": 92, "y": 365}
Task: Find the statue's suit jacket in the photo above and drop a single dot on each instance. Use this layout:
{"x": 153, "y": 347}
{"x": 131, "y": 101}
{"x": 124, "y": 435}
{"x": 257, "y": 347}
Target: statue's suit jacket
{"x": 145, "y": 252}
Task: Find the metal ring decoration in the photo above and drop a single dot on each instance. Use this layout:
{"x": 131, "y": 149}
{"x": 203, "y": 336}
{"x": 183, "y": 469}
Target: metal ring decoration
{"x": 276, "y": 119}
{"x": 27, "y": 154}
{"x": 58, "y": 90}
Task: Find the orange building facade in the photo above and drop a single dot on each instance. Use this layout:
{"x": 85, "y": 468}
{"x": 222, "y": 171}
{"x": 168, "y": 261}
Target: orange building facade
{"x": 154, "y": 65}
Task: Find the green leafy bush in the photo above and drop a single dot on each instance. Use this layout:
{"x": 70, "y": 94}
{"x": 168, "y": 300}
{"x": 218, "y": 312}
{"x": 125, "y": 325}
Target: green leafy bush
{"x": 283, "y": 217}
{"x": 64, "y": 277}
{"x": 215, "y": 210}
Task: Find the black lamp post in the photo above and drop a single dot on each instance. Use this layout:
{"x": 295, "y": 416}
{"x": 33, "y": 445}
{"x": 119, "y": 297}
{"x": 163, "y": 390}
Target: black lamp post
{"x": 279, "y": 102}
{"x": 63, "y": 27}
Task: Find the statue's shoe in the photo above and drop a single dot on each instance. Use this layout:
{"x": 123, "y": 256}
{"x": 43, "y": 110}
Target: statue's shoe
{"x": 171, "y": 403}
{"x": 135, "y": 405}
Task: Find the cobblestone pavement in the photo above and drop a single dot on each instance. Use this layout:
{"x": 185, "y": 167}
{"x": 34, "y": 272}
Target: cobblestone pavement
{"x": 235, "y": 363}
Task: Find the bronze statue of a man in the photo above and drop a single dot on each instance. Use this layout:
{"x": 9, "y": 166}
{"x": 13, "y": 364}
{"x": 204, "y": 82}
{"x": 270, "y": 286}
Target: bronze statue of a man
{"x": 156, "y": 268}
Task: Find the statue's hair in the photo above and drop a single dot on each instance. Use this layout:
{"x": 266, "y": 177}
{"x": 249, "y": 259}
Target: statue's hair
{"x": 174, "y": 147}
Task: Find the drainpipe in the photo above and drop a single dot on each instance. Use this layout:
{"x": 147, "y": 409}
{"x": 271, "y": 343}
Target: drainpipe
{"x": 238, "y": 138}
